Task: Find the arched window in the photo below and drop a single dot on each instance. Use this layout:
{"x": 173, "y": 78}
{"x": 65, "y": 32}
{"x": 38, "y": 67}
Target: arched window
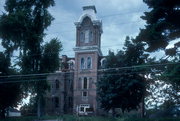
{"x": 57, "y": 84}
{"x": 82, "y": 63}
{"x": 85, "y": 83}
{"x": 89, "y": 63}
{"x": 103, "y": 62}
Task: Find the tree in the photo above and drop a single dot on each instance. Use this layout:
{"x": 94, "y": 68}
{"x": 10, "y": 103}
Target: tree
{"x": 162, "y": 24}
{"x": 22, "y": 27}
{"x": 50, "y": 57}
{"x": 123, "y": 88}
{"x": 10, "y": 93}
{"x": 162, "y": 28}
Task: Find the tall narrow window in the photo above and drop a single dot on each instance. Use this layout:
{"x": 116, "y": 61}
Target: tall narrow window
{"x": 82, "y": 37}
{"x": 86, "y": 36}
{"x": 85, "y": 83}
{"x": 57, "y": 84}
{"x": 90, "y": 36}
{"x": 56, "y": 102}
{"x": 89, "y": 63}
{"x": 82, "y": 63}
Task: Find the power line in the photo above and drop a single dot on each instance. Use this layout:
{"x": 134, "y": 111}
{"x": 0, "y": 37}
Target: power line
{"x": 99, "y": 70}
{"x": 101, "y": 75}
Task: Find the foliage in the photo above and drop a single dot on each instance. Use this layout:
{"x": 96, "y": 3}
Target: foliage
{"x": 76, "y": 118}
{"x": 123, "y": 88}
{"x": 23, "y": 27}
{"x": 162, "y": 28}
{"x": 162, "y": 24}
{"x": 50, "y": 58}
{"x": 10, "y": 93}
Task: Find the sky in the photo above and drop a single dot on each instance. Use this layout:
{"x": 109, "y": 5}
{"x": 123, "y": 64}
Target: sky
{"x": 120, "y": 18}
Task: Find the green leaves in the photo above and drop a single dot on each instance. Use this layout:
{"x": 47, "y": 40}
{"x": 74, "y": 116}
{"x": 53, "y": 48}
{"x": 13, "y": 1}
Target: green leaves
{"x": 162, "y": 24}
{"x": 123, "y": 88}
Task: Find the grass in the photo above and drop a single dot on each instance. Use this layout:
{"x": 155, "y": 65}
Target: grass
{"x": 97, "y": 118}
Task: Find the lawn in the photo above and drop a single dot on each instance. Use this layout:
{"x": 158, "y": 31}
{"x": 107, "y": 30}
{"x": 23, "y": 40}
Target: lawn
{"x": 75, "y": 118}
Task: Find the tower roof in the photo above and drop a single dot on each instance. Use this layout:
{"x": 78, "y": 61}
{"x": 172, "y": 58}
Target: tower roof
{"x": 90, "y": 7}
{"x": 88, "y": 11}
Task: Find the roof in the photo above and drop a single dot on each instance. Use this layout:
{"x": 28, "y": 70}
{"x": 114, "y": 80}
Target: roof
{"x": 13, "y": 110}
{"x": 88, "y": 11}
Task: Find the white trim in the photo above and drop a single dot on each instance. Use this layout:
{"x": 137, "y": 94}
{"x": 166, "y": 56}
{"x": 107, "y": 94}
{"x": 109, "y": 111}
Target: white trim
{"x": 85, "y": 106}
{"x": 88, "y": 49}
{"x": 103, "y": 59}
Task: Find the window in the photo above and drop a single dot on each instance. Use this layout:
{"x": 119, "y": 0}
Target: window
{"x": 56, "y": 102}
{"x": 89, "y": 63}
{"x": 57, "y": 84}
{"x": 71, "y": 65}
{"x": 82, "y": 37}
{"x": 86, "y": 36}
{"x": 90, "y": 36}
{"x": 82, "y": 63}
{"x": 83, "y": 107}
{"x": 85, "y": 83}
{"x": 84, "y": 94}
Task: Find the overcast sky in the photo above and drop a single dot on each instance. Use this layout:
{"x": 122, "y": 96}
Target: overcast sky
{"x": 120, "y": 18}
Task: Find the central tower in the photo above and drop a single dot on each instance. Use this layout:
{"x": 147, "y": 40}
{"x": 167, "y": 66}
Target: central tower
{"x": 87, "y": 53}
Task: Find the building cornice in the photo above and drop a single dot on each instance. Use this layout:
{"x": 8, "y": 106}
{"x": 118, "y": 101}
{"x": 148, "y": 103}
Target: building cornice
{"x": 88, "y": 49}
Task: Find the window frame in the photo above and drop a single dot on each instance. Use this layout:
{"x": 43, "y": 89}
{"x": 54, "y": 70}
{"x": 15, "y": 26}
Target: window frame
{"x": 83, "y": 83}
{"x": 89, "y": 59}
{"x": 82, "y": 64}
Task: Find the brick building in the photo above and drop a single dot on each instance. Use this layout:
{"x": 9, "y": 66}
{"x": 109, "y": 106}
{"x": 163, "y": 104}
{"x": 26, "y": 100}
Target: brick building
{"x": 73, "y": 87}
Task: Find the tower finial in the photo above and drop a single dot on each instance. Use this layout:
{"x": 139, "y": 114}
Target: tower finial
{"x": 92, "y": 7}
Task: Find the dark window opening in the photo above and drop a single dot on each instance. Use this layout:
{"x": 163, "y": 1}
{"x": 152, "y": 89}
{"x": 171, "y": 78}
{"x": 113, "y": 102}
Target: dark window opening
{"x": 57, "y": 84}
{"x": 85, "y": 84}
{"x": 56, "y": 102}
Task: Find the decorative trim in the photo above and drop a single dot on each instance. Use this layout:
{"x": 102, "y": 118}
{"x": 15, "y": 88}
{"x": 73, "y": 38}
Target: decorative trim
{"x": 88, "y": 49}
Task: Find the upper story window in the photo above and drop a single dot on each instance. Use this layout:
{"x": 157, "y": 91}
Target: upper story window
{"x": 85, "y": 83}
{"x": 57, "y": 84}
{"x": 82, "y": 37}
{"x": 89, "y": 63}
{"x": 82, "y": 63}
{"x": 90, "y": 36}
{"x": 86, "y": 36}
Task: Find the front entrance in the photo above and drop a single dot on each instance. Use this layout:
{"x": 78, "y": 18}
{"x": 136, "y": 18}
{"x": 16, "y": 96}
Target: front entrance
{"x": 82, "y": 110}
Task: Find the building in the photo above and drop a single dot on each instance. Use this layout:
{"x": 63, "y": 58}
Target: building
{"x": 11, "y": 112}
{"x": 73, "y": 87}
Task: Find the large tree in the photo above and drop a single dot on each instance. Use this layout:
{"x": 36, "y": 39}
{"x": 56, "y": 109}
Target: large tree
{"x": 162, "y": 28}
{"x": 162, "y": 24}
{"x": 22, "y": 27}
{"x": 124, "y": 87}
